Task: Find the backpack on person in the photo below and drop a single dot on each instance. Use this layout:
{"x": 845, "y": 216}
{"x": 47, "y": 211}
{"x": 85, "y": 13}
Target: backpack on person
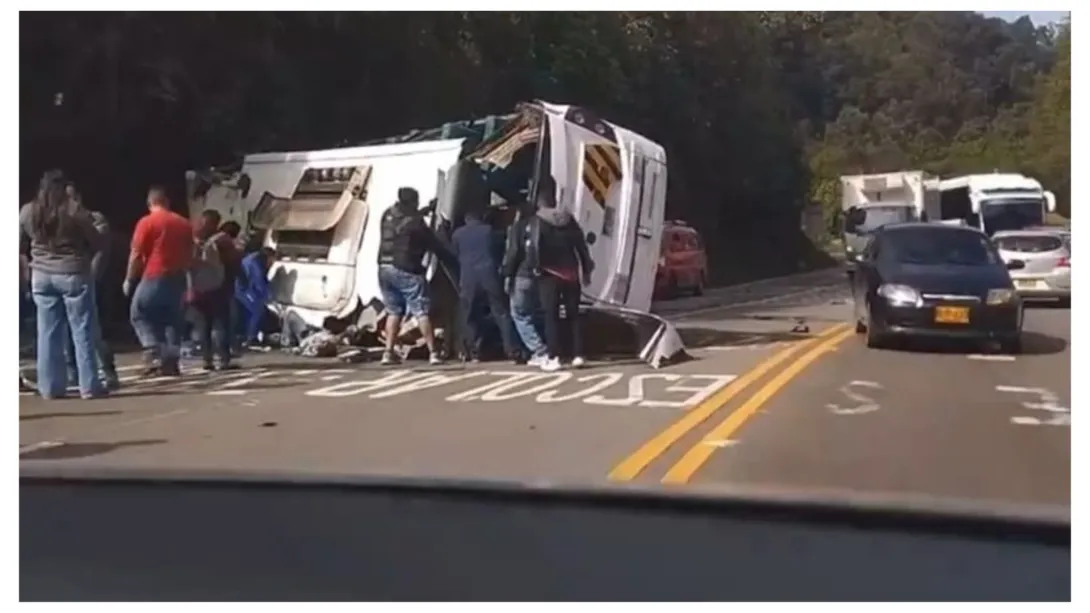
{"x": 207, "y": 273}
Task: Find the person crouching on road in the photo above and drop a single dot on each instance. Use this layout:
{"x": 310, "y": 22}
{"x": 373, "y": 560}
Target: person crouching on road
{"x": 212, "y": 285}
{"x": 479, "y": 277}
{"x": 156, "y": 279}
{"x": 557, "y": 253}
{"x": 252, "y": 290}
{"x": 63, "y": 240}
{"x": 99, "y": 263}
{"x": 522, "y": 287}
{"x": 406, "y": 239}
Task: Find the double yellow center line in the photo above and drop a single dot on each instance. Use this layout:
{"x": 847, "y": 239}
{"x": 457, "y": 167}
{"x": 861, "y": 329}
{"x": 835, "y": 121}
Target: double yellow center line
{"x": 686, "y": 467}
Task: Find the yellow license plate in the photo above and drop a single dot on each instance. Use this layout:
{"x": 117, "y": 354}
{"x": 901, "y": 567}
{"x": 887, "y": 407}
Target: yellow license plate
{"x": 951, "y": 315}
{"x": 1026, "y": 283}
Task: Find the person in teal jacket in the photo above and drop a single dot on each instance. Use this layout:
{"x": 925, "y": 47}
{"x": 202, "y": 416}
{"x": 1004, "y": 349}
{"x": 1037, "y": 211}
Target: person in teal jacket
{"x": 252, "y": 290}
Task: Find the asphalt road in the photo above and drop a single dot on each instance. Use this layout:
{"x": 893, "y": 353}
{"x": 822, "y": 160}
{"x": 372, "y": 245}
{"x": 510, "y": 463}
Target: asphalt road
{"x": 759, "y": 406}
{"x": 935, "y": 421}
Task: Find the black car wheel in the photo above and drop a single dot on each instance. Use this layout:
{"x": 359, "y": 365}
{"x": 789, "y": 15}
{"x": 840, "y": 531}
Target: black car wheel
{"x": 875, "y": 340}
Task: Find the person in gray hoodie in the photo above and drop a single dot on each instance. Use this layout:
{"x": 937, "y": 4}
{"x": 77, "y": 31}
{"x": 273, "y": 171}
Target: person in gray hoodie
{"x": 62, "y": 242}
{"x": 557, "y": 253}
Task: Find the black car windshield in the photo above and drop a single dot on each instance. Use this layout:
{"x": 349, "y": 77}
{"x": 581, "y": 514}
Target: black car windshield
{"x": 939, "y": 246}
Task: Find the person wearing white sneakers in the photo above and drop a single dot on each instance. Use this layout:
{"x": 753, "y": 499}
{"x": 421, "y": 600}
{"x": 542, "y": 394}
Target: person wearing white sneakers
{"x": 557, "y": 253}
{"x": 521, "y": 286}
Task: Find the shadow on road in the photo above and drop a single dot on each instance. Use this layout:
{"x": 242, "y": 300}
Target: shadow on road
{"x": 72, "y": 451}
{"x": 38, "y": 416}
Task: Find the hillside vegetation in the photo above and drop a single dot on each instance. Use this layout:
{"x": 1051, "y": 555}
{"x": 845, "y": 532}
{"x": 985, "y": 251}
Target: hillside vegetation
{"x": 759, "y": 111}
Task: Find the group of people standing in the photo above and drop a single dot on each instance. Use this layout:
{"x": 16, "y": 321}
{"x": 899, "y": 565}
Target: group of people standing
{"x": 541, "y": 267}
{"x": 536, "y": 273}
{"x": 173, "y": 265}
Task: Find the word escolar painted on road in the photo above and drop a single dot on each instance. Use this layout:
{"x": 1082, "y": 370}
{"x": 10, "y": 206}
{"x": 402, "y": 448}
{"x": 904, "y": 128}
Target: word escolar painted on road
{"x": 662, "y": 390}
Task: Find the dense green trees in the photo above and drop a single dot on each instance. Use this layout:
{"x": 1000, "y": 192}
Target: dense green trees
{"x": 757, "y": 110}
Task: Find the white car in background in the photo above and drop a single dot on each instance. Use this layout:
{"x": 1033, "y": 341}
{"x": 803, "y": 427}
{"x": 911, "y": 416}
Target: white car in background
{"x": 1047, "y": 255}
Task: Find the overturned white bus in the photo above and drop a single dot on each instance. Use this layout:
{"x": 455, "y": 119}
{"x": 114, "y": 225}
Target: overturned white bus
{"x": 316, "y": 207}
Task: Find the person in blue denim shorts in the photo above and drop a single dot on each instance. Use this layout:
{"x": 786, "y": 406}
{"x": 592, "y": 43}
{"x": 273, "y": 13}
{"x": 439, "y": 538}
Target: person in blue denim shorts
{"x": 406, "y": 239}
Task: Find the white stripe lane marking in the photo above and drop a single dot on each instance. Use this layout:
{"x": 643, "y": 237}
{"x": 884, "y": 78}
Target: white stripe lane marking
{"x": 39, "y": 446}
{"x": 1014, "y": 389}
{"x": 227, "y": 393}
{"x": 991, "y": 358}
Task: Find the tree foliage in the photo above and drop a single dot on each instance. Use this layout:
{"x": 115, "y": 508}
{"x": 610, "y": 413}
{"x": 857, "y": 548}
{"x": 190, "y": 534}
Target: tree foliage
{"x": 757, "y": 111}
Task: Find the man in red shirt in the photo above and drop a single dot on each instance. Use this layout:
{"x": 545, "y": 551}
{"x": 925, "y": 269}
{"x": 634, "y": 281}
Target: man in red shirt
{"x": 162, "y": 250}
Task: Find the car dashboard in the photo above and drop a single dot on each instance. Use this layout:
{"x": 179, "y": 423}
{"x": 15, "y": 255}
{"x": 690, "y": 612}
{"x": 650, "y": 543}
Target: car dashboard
{"x": 132, "y": 536}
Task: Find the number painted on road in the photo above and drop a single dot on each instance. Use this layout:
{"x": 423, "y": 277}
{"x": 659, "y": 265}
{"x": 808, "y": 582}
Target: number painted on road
{"x": 861, "y": 402}
{"x": 1045, "y": 401}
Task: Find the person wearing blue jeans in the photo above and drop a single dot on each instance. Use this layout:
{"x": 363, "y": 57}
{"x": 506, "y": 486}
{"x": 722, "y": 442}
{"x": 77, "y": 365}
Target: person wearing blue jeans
{"x": 62, "y": 241}
{"x": 157, "y": 318}
{"x": 103, "y": 352}
{"x": 522, "y": 286}
{"x": 526, "y": 316}
{"x": 157, "y": 281}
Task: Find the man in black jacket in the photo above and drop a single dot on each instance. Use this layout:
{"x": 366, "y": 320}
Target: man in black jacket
{"x": 557, "y": 253}
{"x": 522, "y": 286}
{"x": 406, "y": 239}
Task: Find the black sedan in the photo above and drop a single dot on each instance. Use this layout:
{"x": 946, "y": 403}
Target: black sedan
{"x": 934, "y": 280}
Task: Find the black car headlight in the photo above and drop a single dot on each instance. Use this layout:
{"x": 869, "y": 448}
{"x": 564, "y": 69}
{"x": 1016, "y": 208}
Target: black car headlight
{"x": 900, "y": 295}
{"x": 1001, "y": 296}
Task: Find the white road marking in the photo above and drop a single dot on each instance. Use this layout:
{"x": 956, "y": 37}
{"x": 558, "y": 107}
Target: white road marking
{"x": 863, "y": 404}
{"x": 720, "y": 444}
{"x": 39, "y": 446}
{"x": 1048, "y": 402}
{"x": 991, "y": 357}
{"x": 607, "y": 379}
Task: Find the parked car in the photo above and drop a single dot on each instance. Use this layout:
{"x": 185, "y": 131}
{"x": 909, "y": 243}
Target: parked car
{"x": 1047, "y": 256}
{"x": 933, "y": 280}
{"x": 683, "y": 265}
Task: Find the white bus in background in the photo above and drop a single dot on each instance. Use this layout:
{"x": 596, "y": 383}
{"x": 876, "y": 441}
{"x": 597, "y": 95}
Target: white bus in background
{"x": 995, "y": 202}
{"x": 320, "y": 209}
